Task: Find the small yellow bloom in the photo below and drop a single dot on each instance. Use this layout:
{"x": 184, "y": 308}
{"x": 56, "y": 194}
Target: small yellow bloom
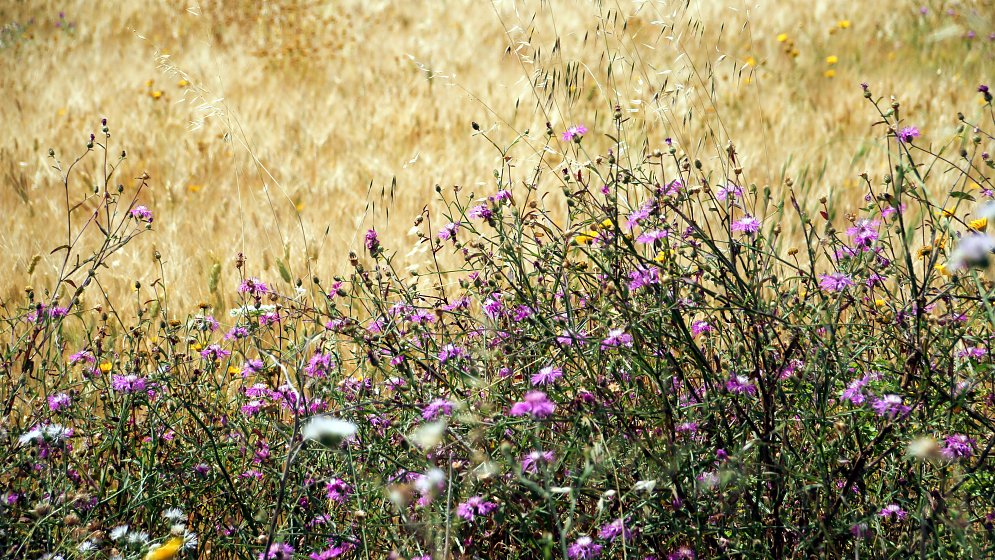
{"x": 925, "y": 251}
{"x": 782, "y": 37}
{"x": 194, "y": 188}
{"x": 843, "y": 24}
{"x": 586, "y": 237}
{"x": 183, "y": 83}
{"x": 830, "y": 73}
{"x": 234, "y": 370}
{"x": 608, "y": 224}
{"x": 879, "y": 302}
{"x": 196, "y": 347}
{"x": 750, "y": 61}
{"x": 167, "y": 551}
{"x": 149, "y": 83}
{"x": 947, "y": 212}
{"x": 105, "y": 367}
{"x": 157, "y": 94}
{"x": 978, "y": 225}
{"x": 942, "y": 269}
{"x": 941, "y": 241}
{"x": 660, "y": 257}
{"x": 832, "y": 59}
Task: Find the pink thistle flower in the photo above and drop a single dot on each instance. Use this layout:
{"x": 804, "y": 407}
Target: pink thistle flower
{"x": 575, "y": 133}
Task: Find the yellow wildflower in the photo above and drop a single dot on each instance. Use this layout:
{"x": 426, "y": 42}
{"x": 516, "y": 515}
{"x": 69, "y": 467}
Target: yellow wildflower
{"x": 149, "y": 83}
{"x": 183, "y": 83}
{"x": 586, "y": 237}
{"x": 156, "y": 94}
{"x": 782, "y": 37}
{"x": 196, "y": 347}
{"x": 879, "y": 302}
{"x": 234, "y": 370}
{"x": 843, "y": 24}
{"x": 978, "y": 225}
{"x": 832, "y": 59}
{"x": 105, "y": 367}
{"x": 947, "y": 212}
{"x": 750, "y": 61}
{"x": 830, "y": 73}
{"x": 660, "y": 257}
{"x": 167, "y": 551}
{"x": 925, "y": 251}
{"x": 942, "y": 269}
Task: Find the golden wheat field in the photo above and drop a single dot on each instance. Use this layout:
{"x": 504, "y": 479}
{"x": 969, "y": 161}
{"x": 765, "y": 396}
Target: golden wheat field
{"x": 282, "y": 129}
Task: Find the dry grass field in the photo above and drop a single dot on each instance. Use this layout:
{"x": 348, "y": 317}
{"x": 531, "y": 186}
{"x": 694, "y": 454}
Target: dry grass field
{"x": 283, "y": 129}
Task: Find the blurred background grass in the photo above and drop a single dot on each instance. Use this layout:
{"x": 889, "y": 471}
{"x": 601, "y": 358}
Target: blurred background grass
{"x": 283, "y": 129}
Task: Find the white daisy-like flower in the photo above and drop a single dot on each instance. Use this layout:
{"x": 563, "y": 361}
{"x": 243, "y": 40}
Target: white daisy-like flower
{"x": 34, "y": 434}
{"x": 55, "y": 432}
{"x": 86, "y": 547}
{"x": 328, "y": 431}
{"x": 119, "y": 532}
{"x": 251, "y": 310}
{"x": 174, "y": 514}
{"x": 189, "y": 540}
{"x": 138, "y": 537}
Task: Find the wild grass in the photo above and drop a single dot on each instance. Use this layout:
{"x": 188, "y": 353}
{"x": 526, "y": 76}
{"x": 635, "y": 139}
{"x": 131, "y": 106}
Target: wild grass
{"x": 511, "y": 279}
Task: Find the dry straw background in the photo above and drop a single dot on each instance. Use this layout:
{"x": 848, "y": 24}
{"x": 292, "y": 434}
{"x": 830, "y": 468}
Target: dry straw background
{"x": 267, "y": 124}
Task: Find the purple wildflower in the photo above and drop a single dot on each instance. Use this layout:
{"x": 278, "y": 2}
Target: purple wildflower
{"x": 480, "y": 212}
{"x": 614, "y": 530}
{"x": 741, "y": 384}
{"x": 652, "y": 235}
{"x": 729, "y": 191}
{"x": 575, "y": 132}
{"x": 699, "y": 327}
{"x": 451, "y": 351}
{"x": 253, "y": 286}
{"x": 616, "y": 338}
{"x": 475, "y": 506}
{"x": 530, "y": 462}
{"x": 835, "y": 282}
{"x": 141, "y": 213}
{"x": 864, "y": 232}
{"x": 547, "y": 375}
{"x": 536, "y": 403}
{"x": 320, "y": 365}
{"x": 59, "y": 401}
{"x": 278, "y": 551}
{"x": 747, "y": 224}
{"x": 583, "y": 548}
{"x": 957, "y": 446}
{"x": 372, "y": 242}
{"x": 449, "y": 231}
{"x": 569, "y": 338}
{"x": 437, "y": 407}
{"x": 892, "y": 511}
{"x": 338, "y": 490}
{"x": 908, "y": 133}
{"x": 214, "y": 353}
{"x": 890, "y": 406}
{"x": 128, "y": 383}
{"x": 641, "y": 277}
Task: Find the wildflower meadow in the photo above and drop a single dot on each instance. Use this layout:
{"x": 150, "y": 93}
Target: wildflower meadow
{"x": 497, "y": 279}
